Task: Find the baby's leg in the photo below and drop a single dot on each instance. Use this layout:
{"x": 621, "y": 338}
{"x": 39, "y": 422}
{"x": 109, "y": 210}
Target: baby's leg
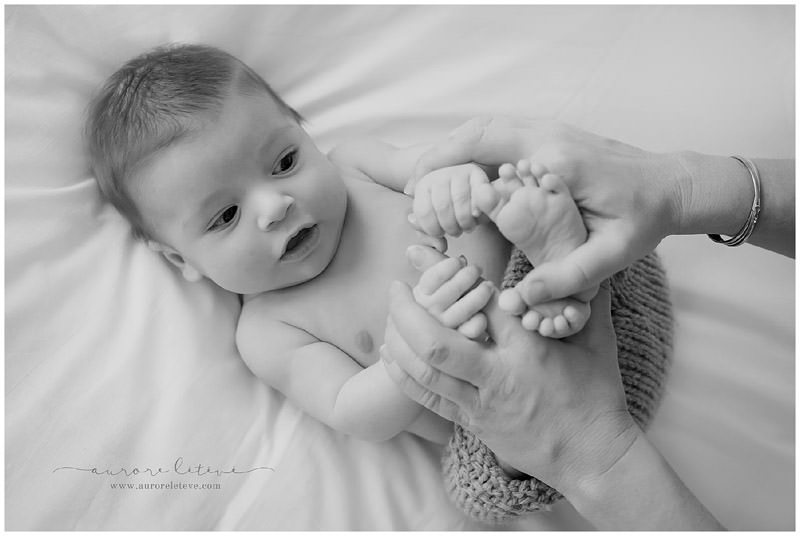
{"x": 534, "y": 211}
{"x": 454, "y": 293}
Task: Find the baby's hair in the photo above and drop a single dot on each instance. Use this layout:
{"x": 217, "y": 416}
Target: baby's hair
{"x": 153, "y": 101}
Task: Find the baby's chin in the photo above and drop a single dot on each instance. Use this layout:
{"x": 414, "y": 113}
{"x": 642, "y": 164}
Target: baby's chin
{"x": 300, "y": 276}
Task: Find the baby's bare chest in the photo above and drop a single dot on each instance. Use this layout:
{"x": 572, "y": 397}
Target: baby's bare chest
{"x": 348, "y": 304}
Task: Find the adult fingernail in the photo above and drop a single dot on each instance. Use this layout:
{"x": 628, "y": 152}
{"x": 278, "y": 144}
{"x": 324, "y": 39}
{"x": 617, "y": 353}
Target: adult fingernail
{"x": 415, "y": 254}
{"x": 535, "y": 291}
{"x": 463, "y": 260}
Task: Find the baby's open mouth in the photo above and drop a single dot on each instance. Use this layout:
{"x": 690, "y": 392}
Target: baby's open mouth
{"x": 301, "y": 243}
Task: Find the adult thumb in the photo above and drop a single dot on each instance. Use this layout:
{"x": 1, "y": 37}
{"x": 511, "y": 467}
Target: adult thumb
{"x": 584, "y": 268}
{"x": 484, "y": 140}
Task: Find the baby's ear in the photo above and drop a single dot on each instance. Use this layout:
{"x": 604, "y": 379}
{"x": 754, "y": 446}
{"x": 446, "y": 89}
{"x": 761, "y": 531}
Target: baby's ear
{"x": 189, "y": 272}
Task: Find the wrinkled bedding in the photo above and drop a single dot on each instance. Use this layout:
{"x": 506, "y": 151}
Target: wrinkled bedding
{"x": 115, "y": 365}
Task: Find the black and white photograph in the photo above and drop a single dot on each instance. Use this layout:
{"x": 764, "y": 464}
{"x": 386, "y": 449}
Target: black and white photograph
{"x": 400, "y": 267}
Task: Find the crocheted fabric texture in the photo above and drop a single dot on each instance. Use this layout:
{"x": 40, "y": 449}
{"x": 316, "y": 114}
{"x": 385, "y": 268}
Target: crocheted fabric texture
{"x": 642, "y": 318}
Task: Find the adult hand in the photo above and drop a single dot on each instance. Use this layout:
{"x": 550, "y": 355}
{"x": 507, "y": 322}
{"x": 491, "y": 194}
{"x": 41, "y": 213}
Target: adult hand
{"x": 550, "y": 408}
{"x": 554, "y": 409}
{"x": 629, "y": 198}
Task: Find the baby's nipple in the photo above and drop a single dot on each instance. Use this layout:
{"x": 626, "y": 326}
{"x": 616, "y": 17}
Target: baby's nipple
{"x": 364, "y": 341}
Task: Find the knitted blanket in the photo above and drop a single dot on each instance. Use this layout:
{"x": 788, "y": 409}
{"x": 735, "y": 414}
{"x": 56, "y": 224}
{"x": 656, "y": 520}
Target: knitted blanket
{"x": 642, "y": 317}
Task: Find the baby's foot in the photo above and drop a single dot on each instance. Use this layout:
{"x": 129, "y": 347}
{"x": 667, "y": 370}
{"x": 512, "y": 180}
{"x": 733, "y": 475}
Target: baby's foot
{"x": 540, "y": 218}
{"x": 533, "y": 209}
{"x": 557, "y": 318}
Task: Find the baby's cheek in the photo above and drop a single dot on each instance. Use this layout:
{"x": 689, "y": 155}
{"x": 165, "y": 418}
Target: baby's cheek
{"x": 239, "y": 277}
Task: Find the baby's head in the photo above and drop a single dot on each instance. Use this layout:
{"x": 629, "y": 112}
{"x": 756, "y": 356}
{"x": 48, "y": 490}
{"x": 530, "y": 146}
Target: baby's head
{"x": 214, "y": 170}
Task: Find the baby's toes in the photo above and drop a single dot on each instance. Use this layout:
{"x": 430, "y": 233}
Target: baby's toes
{"x": 577, "y": 315}
{"x": 507, "y": 172}
{"x": 571, "y": 320}
{"x": 547, "y": 327}
{"x": 538, "y": 170}
{"x": 511, "y": 302}
{"x": 531, "y": 320}
{"x": 561, "y": 328}
{"x": 524, "y": 173}
{"x": 554, "y": 183}
{"x": 557, "y": 319}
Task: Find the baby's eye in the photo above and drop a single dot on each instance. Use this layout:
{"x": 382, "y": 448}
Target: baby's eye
{"x": 227, "y": 216}
{"x": 286, "y": 163}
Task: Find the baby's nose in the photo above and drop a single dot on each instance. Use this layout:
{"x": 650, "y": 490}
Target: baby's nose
{"x": 273, "y": 209}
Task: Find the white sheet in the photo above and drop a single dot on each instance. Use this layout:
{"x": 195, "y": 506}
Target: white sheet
{"x": 113, "y": 361}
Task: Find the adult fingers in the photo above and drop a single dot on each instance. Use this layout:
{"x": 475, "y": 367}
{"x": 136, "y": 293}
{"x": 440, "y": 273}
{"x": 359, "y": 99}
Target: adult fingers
{"x": 427, "y": 398}
{"x": 486, "y": 140}
{"x": 583, "y": 268}
{"x": 397, "y": 350}
{"x": 440, "y": 347}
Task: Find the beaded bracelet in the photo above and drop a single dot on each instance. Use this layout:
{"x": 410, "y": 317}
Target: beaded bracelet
{"x": 745, "y": 232}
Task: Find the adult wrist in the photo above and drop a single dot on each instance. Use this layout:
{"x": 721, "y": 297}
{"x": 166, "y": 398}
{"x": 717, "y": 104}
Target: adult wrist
{"x": 586, "y": 491}
{"x": 640, "y": 491}
{"x": 591, "y": 456}
{"x": 716, "y": 194}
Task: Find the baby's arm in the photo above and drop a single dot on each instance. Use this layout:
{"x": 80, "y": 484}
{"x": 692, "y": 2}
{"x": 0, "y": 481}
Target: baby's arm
{"x": 324, "y": 381}
{"x": 378, "y": 161}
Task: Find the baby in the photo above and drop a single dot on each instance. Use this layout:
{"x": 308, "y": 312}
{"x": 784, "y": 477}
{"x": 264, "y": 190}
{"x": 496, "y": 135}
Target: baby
{"x": 216, "y": 173}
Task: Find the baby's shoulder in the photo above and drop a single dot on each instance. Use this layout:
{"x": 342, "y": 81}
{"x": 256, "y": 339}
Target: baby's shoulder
{"x": 351, "y": 152}
{"x": 373, "y": 160}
